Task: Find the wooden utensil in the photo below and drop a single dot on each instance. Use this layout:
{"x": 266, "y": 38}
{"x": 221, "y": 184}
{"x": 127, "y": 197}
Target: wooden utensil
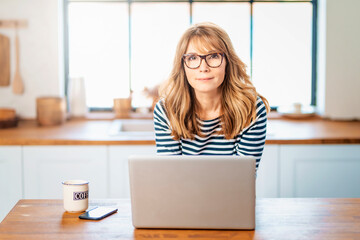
{"x": 4, "y": 60}
{"x": 18, "y": 86}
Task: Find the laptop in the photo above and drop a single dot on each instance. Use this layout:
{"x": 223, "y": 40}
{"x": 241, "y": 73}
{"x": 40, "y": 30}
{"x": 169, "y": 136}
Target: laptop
{"x": 192, "y": 192}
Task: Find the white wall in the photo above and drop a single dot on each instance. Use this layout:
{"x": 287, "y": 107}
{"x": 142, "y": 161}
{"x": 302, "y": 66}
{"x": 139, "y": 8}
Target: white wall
{"x": 40, "y": 66}
{"x": 339, "y": 59}
{"x": 41, "y": 55}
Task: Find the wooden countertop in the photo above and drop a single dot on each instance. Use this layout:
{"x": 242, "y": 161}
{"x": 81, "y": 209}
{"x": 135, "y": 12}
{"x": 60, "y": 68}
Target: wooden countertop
{"x": 276, "y": 218}
{"x": 95, "y": 132}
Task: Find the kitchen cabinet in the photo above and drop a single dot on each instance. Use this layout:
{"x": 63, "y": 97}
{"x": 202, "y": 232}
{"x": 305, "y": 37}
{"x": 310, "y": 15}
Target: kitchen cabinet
{"x": 267, "y": 180}
{"x": 329, "y": 171}
{"x": 119, "y": 168}
{"x": 10, "y": 178}
{"x": 45, "y": 167}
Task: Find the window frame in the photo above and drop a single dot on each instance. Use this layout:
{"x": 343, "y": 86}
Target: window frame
{"x": 313, "y": 47}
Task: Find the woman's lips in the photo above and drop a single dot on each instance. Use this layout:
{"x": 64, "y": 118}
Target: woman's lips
{"x": 204, "y": 79}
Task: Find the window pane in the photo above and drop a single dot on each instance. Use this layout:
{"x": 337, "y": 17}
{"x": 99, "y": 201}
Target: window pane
{"x": 282, "y": 52}
{"x": 234, "y": 18}
{"x": 156, "y": 30}
{"x": 98, "y": 50}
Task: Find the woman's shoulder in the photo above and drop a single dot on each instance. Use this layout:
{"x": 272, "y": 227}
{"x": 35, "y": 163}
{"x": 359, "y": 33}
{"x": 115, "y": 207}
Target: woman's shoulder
{"x": 159, "y": 109}
{"x": 160, "y": 105}
{"x": 260, "y": 105}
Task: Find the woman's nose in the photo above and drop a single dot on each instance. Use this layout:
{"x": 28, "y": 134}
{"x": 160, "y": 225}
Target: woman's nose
{"x": 203, "y": 66}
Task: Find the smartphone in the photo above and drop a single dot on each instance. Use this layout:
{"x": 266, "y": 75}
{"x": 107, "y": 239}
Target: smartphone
{"x": 98, "y": 213}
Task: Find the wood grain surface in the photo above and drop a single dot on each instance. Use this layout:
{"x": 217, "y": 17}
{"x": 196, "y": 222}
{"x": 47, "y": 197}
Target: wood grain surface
{"x": 95, "y": 132}
{"x": 17, "y": 84}
{"x": 276, "y": 218}
{"x": 4, "y": 60}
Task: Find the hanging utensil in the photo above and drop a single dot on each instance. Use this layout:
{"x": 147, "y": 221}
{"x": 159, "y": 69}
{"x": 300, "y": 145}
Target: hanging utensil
{"x": 18, "y": 86}
{"x": 4, "y": 60}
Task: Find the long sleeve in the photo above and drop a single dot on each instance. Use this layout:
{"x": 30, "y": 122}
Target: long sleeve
{"x": 165, "y": 144}
{"x": 251, "y": 140}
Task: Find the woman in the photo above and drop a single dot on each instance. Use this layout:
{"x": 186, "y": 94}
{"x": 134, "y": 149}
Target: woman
{"x": 208, "y": 105}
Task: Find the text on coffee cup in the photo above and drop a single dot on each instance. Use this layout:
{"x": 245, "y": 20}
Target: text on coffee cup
{"x": 81, "y": 195}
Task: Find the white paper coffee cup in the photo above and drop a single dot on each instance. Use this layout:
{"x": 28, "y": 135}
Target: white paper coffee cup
{"x": 76, "y": 195}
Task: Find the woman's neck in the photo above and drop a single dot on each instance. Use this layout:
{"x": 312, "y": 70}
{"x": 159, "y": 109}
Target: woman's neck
{"x": 208, "y": 106}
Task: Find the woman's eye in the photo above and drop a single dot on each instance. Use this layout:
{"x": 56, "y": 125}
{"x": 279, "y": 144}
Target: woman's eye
{"x": 192, "y": 58}
{"x": 214, "y": 56}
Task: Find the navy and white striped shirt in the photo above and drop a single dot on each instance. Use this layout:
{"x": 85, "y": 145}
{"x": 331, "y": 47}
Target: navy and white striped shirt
{"x": 250, "y": 141}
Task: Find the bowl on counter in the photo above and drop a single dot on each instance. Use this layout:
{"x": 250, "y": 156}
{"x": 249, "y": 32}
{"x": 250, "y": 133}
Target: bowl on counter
{"x": 8, "y": 118}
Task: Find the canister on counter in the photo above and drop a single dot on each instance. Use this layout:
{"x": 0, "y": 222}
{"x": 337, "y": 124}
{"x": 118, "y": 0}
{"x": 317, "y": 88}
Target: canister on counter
{"x": 50, "y": 111}
{"x": 122, "y": 107}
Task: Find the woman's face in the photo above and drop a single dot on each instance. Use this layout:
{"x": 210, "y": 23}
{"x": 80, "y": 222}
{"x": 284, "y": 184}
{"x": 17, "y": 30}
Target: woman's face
{"x": 204, "y": 79}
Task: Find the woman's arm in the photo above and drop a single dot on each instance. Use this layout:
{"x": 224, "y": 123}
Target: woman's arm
{"x": 251, "y": 141}
{"x": 165, "y": 144}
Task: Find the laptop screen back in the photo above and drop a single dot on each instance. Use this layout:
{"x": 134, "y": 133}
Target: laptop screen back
{"x": 197, "y": 192}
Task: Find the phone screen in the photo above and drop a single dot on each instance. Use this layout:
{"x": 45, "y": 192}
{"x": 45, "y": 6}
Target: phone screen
{"x": 98, "y": 213}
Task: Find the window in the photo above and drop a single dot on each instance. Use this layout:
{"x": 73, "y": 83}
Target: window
{"x": 121, "y": 46}
{"x": 281, "y": 68}
{"x": 99, "y": 50}
{"x": 153, "y": 43}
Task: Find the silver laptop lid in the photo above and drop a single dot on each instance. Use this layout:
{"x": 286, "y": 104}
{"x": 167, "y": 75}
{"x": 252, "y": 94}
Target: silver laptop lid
{"x": 197, "y": 192}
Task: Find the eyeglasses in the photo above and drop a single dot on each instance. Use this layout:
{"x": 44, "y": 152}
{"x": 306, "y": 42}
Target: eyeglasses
{"x": 213, "y": 60}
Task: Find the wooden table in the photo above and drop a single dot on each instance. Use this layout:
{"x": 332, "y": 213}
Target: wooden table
{"x": 276, "y": 218}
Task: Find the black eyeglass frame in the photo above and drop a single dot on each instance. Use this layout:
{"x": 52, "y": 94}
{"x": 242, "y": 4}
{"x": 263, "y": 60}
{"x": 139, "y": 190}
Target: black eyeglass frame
{"x": 203, "y": 57}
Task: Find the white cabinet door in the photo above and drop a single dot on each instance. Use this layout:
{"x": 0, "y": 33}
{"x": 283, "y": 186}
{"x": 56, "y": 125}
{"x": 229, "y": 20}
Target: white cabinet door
{"x": 10, "y": 178}
{"x": 45, "y": 167}
{"x": 320, "y": 171}
{"x": 119, "y": 167}
{"x": 267, "y": 181}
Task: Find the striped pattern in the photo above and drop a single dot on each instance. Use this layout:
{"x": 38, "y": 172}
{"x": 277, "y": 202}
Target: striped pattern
{"x": 250, "y": 142}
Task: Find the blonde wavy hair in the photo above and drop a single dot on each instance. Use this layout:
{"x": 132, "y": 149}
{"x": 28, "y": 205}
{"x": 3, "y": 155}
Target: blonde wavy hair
{"x": 238, "y": 104}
